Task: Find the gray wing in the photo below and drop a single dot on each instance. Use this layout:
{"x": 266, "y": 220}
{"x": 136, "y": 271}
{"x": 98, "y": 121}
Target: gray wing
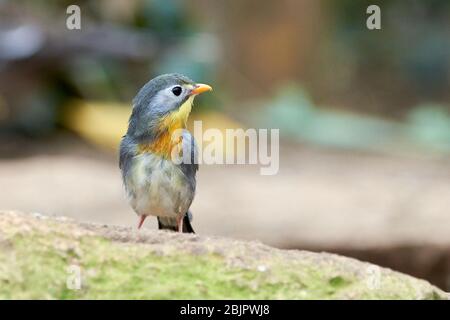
{"x": 126, "y": 154}
{"x": 189, "y": 166}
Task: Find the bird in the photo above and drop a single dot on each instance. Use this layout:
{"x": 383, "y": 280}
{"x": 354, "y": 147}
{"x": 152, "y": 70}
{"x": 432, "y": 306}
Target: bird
{"x": 156, "y": 182}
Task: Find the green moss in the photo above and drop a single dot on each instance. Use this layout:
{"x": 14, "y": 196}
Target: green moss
{"x": 111, "y": 270}
{"x": 33, "y": 265}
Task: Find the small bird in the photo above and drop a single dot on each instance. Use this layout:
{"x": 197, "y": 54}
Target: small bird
{"x": 155, "y": 183}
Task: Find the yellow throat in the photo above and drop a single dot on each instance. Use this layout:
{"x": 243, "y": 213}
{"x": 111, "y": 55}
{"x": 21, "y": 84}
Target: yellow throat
{"x": 173, "y": 121}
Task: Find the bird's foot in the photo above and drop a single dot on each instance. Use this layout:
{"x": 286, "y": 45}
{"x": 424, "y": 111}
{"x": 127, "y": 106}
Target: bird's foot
{"x": 180, "y": 223}
{"x": 141, "y": 221}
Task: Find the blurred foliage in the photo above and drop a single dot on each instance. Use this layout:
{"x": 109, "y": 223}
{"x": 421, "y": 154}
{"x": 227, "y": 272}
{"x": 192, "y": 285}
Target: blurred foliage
{"x": 121, "y": 46}
{"x": 402, "y": 65}
{"x": 293, "y": 112}
{"x": 427, "y": 126}
{"x": 381, "y": 89}
{"x": 430, "y": 125}
{"x": 102, "y": 124}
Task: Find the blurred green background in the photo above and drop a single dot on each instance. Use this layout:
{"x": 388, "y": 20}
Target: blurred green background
{"x": 364, "y": 116}
{"x": 309, "y": 67}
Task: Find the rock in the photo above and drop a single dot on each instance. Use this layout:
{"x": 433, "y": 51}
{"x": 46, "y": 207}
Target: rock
{"x": 55, "y": 258}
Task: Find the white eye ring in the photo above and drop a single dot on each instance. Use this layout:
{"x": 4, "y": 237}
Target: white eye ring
{"x": 177, "y": 90}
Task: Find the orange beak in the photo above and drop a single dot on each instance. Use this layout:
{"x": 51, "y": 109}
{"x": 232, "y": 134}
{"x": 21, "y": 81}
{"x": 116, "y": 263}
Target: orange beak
{"x": 200, "y": 88}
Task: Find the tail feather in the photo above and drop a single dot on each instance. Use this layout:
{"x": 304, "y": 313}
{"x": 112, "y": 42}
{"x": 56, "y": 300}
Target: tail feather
{"x": 187, "y": 227}
{"x": 171, "y": 224}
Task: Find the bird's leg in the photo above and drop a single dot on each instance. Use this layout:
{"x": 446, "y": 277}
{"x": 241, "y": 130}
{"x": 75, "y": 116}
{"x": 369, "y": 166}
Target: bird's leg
{"x": 141, "y": 221}
{"x": 180, "y": 223}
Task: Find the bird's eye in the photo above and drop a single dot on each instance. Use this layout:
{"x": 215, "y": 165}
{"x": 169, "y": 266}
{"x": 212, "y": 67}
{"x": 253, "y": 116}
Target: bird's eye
{"x": 177, "y": 90}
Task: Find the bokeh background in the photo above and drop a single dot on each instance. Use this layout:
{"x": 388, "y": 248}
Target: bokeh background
{"x": 364, "y": 117}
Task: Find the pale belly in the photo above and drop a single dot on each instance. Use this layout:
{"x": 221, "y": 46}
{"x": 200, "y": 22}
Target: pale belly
{"x": 158, "y": 187}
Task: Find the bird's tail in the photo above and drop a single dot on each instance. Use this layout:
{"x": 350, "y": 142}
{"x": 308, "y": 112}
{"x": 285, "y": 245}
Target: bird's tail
{"x": 171, "y": 223}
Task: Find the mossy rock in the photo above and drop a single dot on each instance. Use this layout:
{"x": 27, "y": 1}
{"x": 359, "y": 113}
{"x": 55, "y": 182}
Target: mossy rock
{"x": 41, "y": 256}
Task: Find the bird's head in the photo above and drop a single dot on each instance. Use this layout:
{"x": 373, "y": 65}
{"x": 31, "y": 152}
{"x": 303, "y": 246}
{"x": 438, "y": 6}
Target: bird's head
{"x": 163, "y": 105}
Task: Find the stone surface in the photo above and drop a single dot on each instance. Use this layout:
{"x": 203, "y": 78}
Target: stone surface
{"x": 41, "y": 255}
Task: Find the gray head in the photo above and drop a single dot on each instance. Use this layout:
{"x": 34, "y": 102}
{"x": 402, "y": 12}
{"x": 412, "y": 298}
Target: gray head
{"x": 161, "y": 97}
